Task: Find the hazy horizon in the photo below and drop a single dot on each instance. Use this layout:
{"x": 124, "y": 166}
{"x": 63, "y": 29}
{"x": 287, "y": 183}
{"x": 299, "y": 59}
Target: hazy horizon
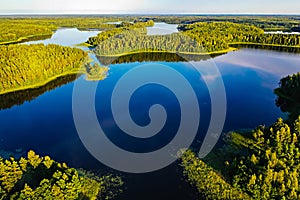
{"x": 288, "y": 7}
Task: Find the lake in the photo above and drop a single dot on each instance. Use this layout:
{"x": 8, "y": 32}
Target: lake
{"x": 161, "y": 28}
{"x": 41, "y": 119}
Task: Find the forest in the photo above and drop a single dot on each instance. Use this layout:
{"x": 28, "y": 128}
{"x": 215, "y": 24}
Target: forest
{"x": 132, "y": 41}
{"x": 23, "y": 66}
{"x": 267, "y": 23}
{"x": 289, "y": 95}
{"x": 35, "y": 177}
{"x": 201, "y": 37}
{"x": 19, "y": 29}
{"x": 15, "y": 32}
{"x": 123, "y": 27}
{"x": 258, "y": 164}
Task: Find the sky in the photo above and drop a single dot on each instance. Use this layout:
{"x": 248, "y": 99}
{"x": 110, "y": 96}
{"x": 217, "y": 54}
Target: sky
{"x": 149, "y": 6}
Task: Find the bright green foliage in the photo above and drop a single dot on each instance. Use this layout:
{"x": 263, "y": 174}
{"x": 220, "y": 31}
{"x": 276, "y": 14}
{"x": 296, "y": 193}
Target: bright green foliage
{"x": 34, "y": 159}
{"x": 271, "y": 167}
{"x": 27, "y": 65}
{"x": 11, "y": 30}
{"x": 42, "y": 178}
{"x": 289, "y": 95}
{"x": 10, "y": 174}
{"x": 208, "y": 182}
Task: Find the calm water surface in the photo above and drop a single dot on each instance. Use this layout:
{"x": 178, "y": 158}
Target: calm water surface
{"x": 45, "y": 124}
{"x": 161, "y": 28}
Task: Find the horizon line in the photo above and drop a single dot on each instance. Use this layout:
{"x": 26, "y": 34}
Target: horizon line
{"x": 153, "y": 14}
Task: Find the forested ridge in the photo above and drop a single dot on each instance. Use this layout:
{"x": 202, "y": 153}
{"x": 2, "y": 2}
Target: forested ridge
{"x": 123, "y": 27}
{"x": 16, "y": 29}
{"x": 265, "y": 22}
{"x": 29, "y": 65}
{"x": 13, "y": 32}
{"x": 219, "y": 35}
{"x": 198, "y": 38}
{"x": 136, "y": 41}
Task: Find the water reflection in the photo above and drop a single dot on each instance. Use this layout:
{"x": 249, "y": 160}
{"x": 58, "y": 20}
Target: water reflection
{"x": 18, "y": 98}
{"x": 154, "y": 57}
{"x": 161, "y": 28}
{"x": 67, "y": 37}
{"x": 268, "y": 47}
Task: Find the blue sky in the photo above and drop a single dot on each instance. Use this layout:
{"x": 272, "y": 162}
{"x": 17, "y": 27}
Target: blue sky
{"x": 150, "y": 6}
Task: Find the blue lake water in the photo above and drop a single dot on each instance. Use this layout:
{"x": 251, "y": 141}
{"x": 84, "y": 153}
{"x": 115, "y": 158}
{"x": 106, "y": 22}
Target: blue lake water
{"x": 45, "y": 124}
{"x": 67, "y": 37}
{"x": 161, "y": 28}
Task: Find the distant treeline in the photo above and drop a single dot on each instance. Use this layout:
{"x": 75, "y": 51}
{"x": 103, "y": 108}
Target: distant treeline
{"x": 13, "y": 32}
{"x": 201, "y": 37}
{"x": 219, "y": 35}
{"x": 266, "y": 22}
{"x": 16, "y": 29}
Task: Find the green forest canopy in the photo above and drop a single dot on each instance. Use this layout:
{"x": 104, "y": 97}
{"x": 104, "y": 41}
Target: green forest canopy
{"x": 38, "y": 177}
{"x": 199, "y": 38}
{"x": 24, "y": 66}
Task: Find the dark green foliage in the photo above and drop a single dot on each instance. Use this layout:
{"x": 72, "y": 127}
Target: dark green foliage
{"x": 110, "y": 185}
{"x": 137, "y": 41}
{"x": 194, "y": 38}
{"x": 208, "y": 182}
{"x": 94, "y": 41}
{"x": 268, "y": 23}
{"x": 27, "y": 65}
{"x": 289, "y": 95}
{"x": 103, "y": 36}
{"x": 37, "y": 177}
{"x": 13, "y": 31}
{"x": 219, "y": 35}
{"x": 153, "y": 56}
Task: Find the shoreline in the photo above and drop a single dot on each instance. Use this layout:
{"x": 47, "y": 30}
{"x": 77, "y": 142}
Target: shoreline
{"x": 37, "y": 85}
{"x": 41, "y": 84}
{"x": 23, "y": 39}
{"x": 262, "y": 44}
{"x": 230, "y": 49}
